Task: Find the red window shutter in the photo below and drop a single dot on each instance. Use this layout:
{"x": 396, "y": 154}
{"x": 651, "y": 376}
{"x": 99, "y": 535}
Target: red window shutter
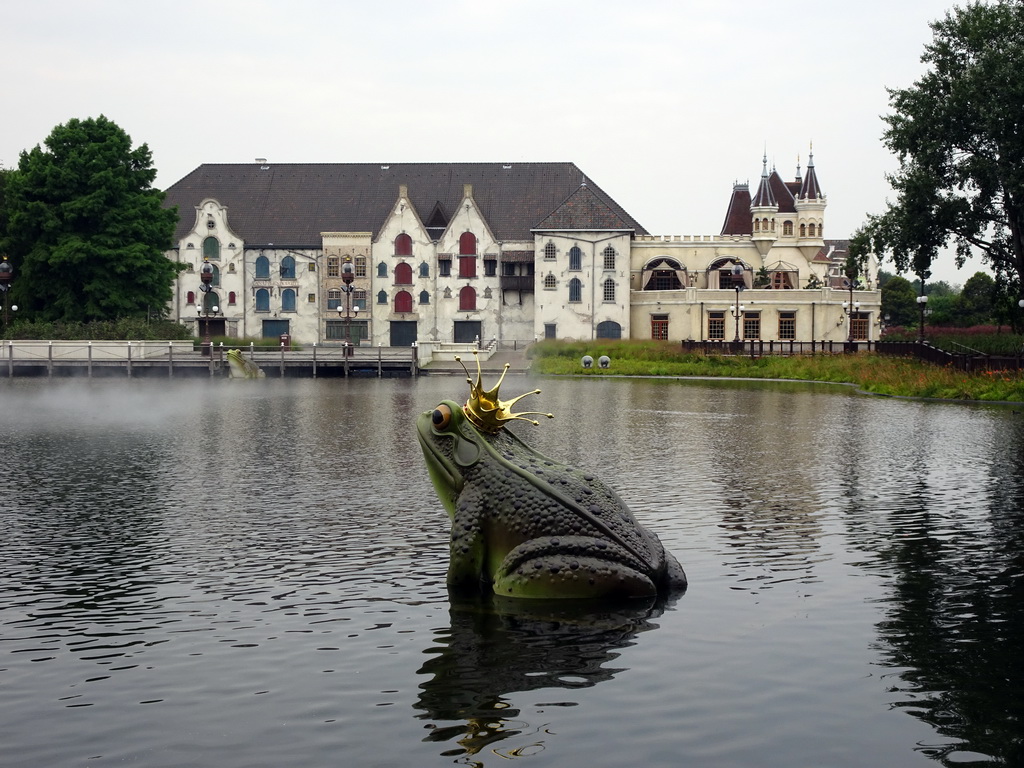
{"x": 403, "y": 274}
{"x": 467, "y": 266}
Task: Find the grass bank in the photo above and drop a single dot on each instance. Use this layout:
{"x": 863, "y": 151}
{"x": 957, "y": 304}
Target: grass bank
{"x": 872, "y": 373}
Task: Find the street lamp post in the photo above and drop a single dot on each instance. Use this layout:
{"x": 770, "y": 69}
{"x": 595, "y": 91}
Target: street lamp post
{"x": 739, "y": 285}
{"x": 205, "y": 310}
{"x": 6, "y": 275}
{"x": 205, "y": 313}
{"x": 850, "y": 308}
{"x": 922, "y": 303}
{"x": 348, "y": 275}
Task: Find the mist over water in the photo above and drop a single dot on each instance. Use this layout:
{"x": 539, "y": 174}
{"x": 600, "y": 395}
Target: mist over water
{"x": 251, "y": 573}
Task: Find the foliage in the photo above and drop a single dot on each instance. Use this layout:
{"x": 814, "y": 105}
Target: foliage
{"x": 127, "y": 329}
{"x": 873, "y": 373}
{"x": 899, "y": 302}
{"x": 956, "y": 134}
{"x": 977, "y": 300}
{"x": 86, "y": 230}
{"x": 986, "y": 339}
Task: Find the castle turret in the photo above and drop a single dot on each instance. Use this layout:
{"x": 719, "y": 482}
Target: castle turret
{"x": 810, "y": 211}
{"x": 763, "y": 211}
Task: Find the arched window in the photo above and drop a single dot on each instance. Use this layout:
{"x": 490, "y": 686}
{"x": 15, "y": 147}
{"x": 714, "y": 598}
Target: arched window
{"x": 575, "y": 290}
{"x": 609, "y": 329}
{"x": 403, "y": 274}
{"x": 608, "y": 290}
{"x": 288, "y": 268}
{"x": 288, "y": 300}
{"x": 211, "y": 300}
{"x": 262, "y": 268}
{"x": 190, "y": 297}
{"x": 467, "y": 298}
{"x": 359, "y": 300}
{"x": 211, "y": 248}
{"x": 262, "y": 300}
{"x": 803, "y": 230}
{"x": 810, "y": 230}
{"x": 550, "y": 251}
{"x": 382, "y": 297}
{"x": 382, "y": 270}
{"x": 550, "y": 282}
{"x": 232, "y": 298}
{"x": 467, "y": 244}
{"x": 403, "y": 245}
{"x": 575, "y": 258}
{"x": 663, "y": 274}
{"x": 787, "y": 228}
{"x": 216, "y": 275}
{"x": 403, "y": 301}
{"x": 424, "y": 297}
{"x": 609, "y": 258}
{"x": 334, "y": 299}
{"x": 757, "y": 225}
{"x": 424, "y": 269}
{"x": 360, "y": 266}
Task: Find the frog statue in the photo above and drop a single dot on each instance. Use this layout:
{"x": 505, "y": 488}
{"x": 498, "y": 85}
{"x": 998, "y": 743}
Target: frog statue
{"x": 526, "y": 526}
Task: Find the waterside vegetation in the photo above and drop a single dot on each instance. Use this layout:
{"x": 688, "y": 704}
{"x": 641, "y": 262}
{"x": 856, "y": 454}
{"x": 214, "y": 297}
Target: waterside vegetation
{"x": 870, "y": 372}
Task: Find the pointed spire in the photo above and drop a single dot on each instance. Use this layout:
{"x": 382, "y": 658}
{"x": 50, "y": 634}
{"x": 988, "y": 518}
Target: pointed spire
{"x": 809, "y": 188}
{"x": 764, "y": 197}
{"x": 799, "y": 178}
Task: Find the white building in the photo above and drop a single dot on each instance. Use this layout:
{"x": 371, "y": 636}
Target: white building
{"x": 514, "y": 252}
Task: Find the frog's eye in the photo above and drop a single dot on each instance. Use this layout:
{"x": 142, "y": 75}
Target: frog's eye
{"x": 441, "y": 417}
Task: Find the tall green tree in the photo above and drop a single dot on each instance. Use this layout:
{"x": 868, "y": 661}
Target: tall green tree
{"x": 959, "y": 138}
{"x": 899, "y": 302}
{"x": 86, "y": 230}
{"x": 977, "y": 300}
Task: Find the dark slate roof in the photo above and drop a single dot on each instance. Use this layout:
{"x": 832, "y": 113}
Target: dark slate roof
{"x": 809, "y": 188}
{"x": 737, "y": 218}
{"x": 585, "y": 209}
{"x": 289, "y": 205}
{"x": 780, "y": 190}
{"x": 764, "y": 197}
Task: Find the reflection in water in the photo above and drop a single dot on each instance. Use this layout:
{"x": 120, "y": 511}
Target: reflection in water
{"x": 493, "y": 649}
{"x": 202, "y": 573}
{"x": 953, "y": 614}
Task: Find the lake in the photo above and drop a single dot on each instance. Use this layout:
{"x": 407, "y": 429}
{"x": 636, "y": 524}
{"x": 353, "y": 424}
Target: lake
{"x": 252, "y": 573}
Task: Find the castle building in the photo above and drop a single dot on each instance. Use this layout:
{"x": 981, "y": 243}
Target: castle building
{"x": 464, "y": 252}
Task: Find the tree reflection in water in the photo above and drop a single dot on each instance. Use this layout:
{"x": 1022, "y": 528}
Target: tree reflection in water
{"x": 499, "y": 647}
{"x": 955, "y": 614}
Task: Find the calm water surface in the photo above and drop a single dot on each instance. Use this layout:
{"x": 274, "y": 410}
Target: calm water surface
{"x": 242, "y": 574}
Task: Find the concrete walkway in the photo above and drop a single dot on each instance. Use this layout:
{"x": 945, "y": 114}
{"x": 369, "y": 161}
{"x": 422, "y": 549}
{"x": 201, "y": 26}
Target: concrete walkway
{"x": 517, "y": 361}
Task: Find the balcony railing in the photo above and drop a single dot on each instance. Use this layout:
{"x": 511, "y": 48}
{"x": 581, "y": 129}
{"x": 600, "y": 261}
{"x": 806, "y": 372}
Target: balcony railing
{"x": 517, "y": 282}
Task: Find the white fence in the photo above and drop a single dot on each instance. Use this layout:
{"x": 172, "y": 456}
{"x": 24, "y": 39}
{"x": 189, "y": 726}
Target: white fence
{"x": 96, "y": 351}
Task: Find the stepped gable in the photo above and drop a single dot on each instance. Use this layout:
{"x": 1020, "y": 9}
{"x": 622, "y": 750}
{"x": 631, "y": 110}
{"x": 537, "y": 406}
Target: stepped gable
{"x": 585, "y": 210}
{"x": 290, "y": 204}
{"x": 737, "y": 217}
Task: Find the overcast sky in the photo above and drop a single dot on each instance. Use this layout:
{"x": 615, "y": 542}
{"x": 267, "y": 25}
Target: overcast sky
{"x": 663, "y": 103}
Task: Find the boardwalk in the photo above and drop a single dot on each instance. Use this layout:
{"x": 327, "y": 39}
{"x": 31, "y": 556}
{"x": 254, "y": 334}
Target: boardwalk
{"x": 173, "y": 360}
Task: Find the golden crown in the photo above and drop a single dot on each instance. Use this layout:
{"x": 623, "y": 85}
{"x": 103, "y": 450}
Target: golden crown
{"x": 485, "y": 410}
